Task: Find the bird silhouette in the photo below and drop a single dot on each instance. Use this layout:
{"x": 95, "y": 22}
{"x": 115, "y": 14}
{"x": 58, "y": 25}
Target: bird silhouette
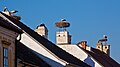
{"x": 5, "y": 9}
{"x": 104, "y": 39}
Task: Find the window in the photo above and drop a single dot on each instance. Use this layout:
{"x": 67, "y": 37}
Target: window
{"x": 5, "y": 57}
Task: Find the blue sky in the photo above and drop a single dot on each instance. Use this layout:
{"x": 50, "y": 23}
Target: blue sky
{"x": 89, "y": 19}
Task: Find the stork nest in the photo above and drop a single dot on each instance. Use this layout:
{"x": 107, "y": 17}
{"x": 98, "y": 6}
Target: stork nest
{"x": 17, "y": 17}
{"x": 62, "y": 24}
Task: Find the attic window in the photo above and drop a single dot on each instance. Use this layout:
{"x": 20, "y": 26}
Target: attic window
{"x": 42, "y": 24}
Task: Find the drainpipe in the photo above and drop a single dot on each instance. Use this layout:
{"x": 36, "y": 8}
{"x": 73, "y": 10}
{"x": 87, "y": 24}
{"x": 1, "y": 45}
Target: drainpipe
{"x": 16, "y": 41}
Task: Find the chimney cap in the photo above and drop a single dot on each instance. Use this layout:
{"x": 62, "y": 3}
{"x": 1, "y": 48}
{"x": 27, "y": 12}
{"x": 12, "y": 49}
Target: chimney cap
{"x": 83, "y": 41}
{"x": 42, "y": 24}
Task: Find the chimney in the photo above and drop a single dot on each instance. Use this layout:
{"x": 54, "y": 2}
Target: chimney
{"x": 42, "y": 30}
{"x": 83, "y": 44}
{"x": 88, "y": 48}
{"x": 103, "y": 46}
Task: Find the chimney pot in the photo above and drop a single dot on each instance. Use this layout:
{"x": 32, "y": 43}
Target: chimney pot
{"x": 83, "y": 44}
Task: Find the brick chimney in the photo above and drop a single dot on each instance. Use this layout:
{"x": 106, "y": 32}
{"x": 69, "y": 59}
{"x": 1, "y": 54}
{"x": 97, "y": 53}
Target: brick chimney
{"x": 83, "y": 44}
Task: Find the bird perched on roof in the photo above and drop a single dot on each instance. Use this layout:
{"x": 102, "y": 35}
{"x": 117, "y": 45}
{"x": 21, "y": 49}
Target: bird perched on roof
{"x": 5, "y": 9}
{"x": 63, "y": 19}
{"x": 13, "y": 11}
{"x": 104, "y": 39}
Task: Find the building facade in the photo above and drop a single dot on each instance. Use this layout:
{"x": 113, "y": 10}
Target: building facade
{"x": 8, "y": 35}
{"x": 7, "y": 47}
